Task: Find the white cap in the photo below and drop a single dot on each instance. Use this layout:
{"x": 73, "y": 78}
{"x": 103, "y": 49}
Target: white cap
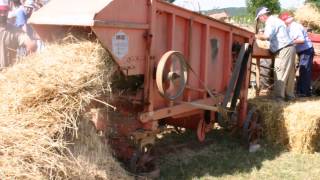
{"x": 29, "y": 3}
{"x": 260, "y": 11}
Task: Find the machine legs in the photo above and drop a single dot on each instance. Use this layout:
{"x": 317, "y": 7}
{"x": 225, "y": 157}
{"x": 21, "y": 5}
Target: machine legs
{"x": 252, "y": 128}
{"x": 201, "y": 130}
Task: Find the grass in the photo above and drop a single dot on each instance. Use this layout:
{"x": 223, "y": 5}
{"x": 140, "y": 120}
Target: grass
{"x": 226, "y": 158}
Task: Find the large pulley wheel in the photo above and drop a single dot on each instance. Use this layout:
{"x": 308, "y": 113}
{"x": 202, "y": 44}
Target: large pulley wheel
{"x": 252, "y": 128}
{"x": 171, "y": 75}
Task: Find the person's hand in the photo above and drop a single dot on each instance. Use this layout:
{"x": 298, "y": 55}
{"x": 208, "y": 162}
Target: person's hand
{"x": 257, "y": 36}
{"x": 31, "y": 46}
{"x": 261, "y": 37}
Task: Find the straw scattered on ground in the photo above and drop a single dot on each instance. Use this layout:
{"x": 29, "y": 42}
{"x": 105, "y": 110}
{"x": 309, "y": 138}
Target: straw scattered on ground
{"x": 295, "y": 125}
{"x": 43, "y": 131}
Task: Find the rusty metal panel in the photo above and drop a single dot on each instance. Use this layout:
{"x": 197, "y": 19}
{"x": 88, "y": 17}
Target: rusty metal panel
{"x": 69, "y": 12}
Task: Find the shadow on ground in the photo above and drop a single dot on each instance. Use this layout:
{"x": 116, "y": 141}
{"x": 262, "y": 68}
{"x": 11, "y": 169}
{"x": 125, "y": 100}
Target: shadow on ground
{"x": 222, "y": 155}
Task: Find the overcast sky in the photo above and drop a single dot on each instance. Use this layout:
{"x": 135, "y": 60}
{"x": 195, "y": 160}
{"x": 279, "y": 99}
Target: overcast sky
{"x": 214, "y": 4}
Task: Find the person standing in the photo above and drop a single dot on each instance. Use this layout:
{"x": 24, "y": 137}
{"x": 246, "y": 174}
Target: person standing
{"x": 28, "y": 9}
{"x": 282, "y": 47}
{"x": 305, "y": 53}
{"x": 18, "y": 14}
{"x": 11, "y": 38}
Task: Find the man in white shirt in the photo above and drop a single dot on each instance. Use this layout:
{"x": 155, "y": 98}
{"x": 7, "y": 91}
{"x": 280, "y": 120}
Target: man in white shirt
{"x": 281, "y": 46}
{"x": 305, "y": 52}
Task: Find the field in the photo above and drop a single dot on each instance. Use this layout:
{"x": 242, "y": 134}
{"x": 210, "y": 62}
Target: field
{"x": 224, "y": 157}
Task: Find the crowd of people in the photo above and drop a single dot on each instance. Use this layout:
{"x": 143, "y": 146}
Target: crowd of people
{"x": 287, "y": 39}
{"x": 16, "y": 36}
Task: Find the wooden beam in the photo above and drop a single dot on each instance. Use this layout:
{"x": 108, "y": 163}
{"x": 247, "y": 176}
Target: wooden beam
{"x": 122, "y": 25}
{"x": 183, "y": 107}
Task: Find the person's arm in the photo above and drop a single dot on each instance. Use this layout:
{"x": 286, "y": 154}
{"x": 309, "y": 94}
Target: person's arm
{"x": 296, "y": 34}
{"x": 268, "y": 32}
{"x": 24, "y": 39}
{"x": 298, "y": 41}
{"x": 31, "y": 45}
{"x": 262, "y": 37}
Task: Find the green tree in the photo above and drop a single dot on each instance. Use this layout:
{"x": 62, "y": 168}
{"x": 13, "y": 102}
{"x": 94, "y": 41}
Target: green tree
{"x": 253, "y": 5}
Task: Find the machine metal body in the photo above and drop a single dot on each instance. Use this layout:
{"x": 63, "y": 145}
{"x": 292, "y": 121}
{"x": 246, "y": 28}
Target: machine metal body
{"x": 192, "y": 65}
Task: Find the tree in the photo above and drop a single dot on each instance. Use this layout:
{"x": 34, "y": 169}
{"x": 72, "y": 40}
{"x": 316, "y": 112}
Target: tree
{"x": 253, "y": 5}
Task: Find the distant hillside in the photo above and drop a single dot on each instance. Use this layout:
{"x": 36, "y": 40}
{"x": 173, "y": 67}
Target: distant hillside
{"x": 232, "y": 11}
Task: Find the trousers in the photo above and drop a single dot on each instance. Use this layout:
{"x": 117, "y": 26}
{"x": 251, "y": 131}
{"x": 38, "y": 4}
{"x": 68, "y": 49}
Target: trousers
{"x": 305, "y": 72}
{"x": 284, "y": 72}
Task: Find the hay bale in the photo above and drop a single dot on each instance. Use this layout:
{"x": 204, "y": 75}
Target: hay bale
{"x": 309, "y": 15}
{"x": 294, "y": 125}
{"x": 42, "y": 105}
{"x": 303, "y": 125}
{"x": 95, "y": 157}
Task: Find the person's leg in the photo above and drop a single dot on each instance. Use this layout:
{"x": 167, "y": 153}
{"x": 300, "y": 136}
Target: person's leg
{"x": 278, "y": 83}
{"x": 291, "y": 74}
{"x": 305, "y": 66}
{"x": 298, "y": 76}
{"x": 265, "y": 77}
{"x": 283, "y": 67}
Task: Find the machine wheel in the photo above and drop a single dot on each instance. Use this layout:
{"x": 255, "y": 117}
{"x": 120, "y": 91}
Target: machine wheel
{"x": 252, "y": 129}
{"x": 171, "y": 75}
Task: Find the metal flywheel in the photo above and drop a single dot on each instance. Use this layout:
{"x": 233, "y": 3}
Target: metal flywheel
{"x": 172, "y": 75}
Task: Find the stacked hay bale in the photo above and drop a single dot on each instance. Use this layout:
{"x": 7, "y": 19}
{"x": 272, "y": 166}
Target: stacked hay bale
{"x": 309, "y": 15}
{"x": 295, "y": 125}
{"x": 43, "y": 130}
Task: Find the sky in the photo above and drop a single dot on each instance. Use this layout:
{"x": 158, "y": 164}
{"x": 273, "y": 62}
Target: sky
{"x": 215, "y": 4}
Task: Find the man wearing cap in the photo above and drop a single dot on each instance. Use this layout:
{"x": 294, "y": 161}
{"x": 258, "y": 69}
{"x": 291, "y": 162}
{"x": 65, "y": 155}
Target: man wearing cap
{"x": 11, "y": 38}
{"x": 28, "y": 9}
{"x": 282, "y": 48}
{"x": 305, "y": 53}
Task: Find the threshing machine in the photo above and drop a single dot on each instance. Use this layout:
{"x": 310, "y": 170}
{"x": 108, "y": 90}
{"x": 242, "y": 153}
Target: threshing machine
{"x": 191, "y": 70}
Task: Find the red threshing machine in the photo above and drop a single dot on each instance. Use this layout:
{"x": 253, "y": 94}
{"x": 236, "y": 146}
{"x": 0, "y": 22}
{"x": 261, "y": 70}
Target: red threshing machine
{"x": 194, "y": 70}
{"x": 315, "y": 38}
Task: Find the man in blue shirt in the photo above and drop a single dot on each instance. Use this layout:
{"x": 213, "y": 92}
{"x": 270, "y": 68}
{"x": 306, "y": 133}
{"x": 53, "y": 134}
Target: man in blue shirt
{"x": 281, "y": 46}
{"x": 18, "y": 13}
{"x": 305, "y": 52}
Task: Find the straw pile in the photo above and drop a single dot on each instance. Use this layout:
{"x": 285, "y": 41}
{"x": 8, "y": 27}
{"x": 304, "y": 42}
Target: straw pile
{"x": 309, "y": 15}
{"x": 295, "y": 125}
{"x": 43, "y": 130}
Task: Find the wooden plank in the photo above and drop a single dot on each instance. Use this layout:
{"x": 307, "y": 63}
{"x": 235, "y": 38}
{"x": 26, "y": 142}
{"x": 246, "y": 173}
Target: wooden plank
{"x": 241, "y": 80}
{"x": 180, "y": 109}
{"x": 103, "y": 23}
{"x": 234, "y": 76}
{"x": 258, "y": 76}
